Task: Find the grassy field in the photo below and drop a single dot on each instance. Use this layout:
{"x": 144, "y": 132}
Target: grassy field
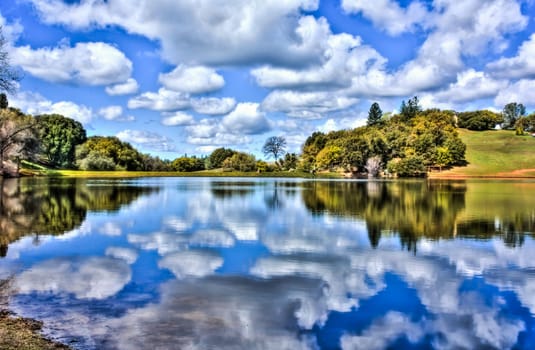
{"x": 496, "y": 153}
{"x": 207, "y": 173}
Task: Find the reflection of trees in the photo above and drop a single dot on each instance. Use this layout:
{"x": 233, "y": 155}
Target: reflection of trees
{"x": 225, "y": 189}
{"x": 431, "y": 209}
{"x": 411, "y": 209}
{"x": 36, "y": 206}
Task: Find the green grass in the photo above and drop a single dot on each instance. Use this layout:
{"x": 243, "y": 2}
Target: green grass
{"x": 207, "y": 173}
{"x": 495, "y": 153}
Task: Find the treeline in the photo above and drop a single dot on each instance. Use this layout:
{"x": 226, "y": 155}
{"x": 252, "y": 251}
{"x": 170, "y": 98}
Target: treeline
{"x": 406, "y": 144}
{"x": 58, "y": 142}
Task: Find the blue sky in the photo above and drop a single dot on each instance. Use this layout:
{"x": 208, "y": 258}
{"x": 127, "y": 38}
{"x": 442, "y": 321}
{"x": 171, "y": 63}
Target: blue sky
{"x": 188, "y": 76}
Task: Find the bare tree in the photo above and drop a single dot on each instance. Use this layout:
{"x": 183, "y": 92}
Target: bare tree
{"x": 276, "y": 146}
{"x": 16, "y": 136}
{"x": 8, "y": 76}
{"x": 373, "y": 166}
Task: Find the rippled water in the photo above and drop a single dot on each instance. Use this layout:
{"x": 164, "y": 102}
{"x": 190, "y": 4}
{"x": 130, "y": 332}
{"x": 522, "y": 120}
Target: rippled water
{"x": 193, "y": 263}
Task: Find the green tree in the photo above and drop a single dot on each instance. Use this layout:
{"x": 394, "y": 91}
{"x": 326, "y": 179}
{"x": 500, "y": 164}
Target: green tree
{"x": 274, "y": 145}
{"x": 3, "y": 101}
{"x": 187, "y": 164}
{"x": 410, "y": 109}
{"x": 240, "y": 162}
{"x": 123, "y": 155}
{"x": 8, "y": 76}
{"x": 329, "y": 157}
{"x": 479, "y": 120}
{"x": 511, "y": 113}
{"x": 290, "y": 161}
{"x": 216, "y": 158}
{"x": 374, "y": 114}
{"x": 59, "y": 137}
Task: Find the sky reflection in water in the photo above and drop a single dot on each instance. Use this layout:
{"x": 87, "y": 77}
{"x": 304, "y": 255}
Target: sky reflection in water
{"x": 272, "y": 264}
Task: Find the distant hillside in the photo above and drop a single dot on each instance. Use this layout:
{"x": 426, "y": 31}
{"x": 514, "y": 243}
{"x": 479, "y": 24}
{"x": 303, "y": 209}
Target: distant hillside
{"x": 495, "y": 153}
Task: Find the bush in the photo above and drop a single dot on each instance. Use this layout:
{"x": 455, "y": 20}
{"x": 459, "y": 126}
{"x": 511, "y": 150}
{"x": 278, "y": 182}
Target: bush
{"x": 96, "y": 162}
{"x": 411, "y": 166}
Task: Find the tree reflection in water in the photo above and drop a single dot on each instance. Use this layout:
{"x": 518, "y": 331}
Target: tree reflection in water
{"x": 53, "y": 206}
{"x": 420, "y": 209}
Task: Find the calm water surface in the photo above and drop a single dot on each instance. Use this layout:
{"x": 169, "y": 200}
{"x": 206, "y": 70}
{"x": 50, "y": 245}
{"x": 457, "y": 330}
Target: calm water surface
{"x": 179, "y": 263}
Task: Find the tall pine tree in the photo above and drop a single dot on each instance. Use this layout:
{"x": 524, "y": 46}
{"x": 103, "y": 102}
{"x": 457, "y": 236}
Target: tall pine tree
{"x": 375, "y": 114}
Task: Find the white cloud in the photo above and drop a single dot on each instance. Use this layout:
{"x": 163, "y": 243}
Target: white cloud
{"x": 147, "y": 139}
{"x": 522, "y": 91}
{"x": 163, "y": 100}
{"x": 111, "y": 112}
{"x": 246, "y": 119}
{"x": 92, "y": 63}
{"x": 177, "y": 119}
{"x": 191, "y": 263}
{"x": 115, "y": 113}
{"x": 520, "y": 66}
{"x": 242, "y": 31}
{"x": 34, "y": 103}
{"x": 310, "y": 105}
{"x": 89, "y": 278}
{"x": 193, "y": 79}
{"x": 213, "y": 105}
{"x": 129, "y": 87}
{"x": 129, "y": 255}
{"x": 389, "y": 15}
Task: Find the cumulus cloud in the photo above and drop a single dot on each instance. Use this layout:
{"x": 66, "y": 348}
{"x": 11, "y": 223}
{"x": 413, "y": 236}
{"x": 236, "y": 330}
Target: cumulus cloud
{"x": 114, "y": 113}
{"x": 389, "y": 15}
{"x": 93, "y": 63}
{"x": 129, "y": 87}
{"x": 309, "y": 105}
{"x": 236, "y": 32}
{"x": 129, "y": 255}
{"x": 213, "y": 105}
{"x": 520, "y": 66}
{"x": 192, "y": 79}
{"x": 34, "y": 103}
{"x": 177, "y": 119}
{"x": 89, "y": 278}
{"x": 246, "y": 119}
{"x": 163, "y": 100}
{"x": 522, "y": 91}
{"x": 191, "y": 263}
{"x": 147, "y": 139}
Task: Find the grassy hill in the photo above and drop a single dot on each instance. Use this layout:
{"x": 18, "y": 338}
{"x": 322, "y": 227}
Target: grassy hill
{"x": 495, "y": 153}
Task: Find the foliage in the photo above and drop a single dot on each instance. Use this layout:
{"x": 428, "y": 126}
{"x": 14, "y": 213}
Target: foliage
{"x": 3, "y": 101}
{"x": 186, "y": 164}
{"x": 374, "y": 114}
{"x": 95, "y": 161}
{"x": 290, "y": 161}
{"x": 428, "y": 138}
{"x": 479, "y": 120}
{"x": 216, "y": 158}
{"x": 526, "y": 123}
{"x": 102, "y": 148}
{"x": 8, "y": 76}
{"x": 59, "y": 137}
{"x": 406, "y": 167}
{"x": 511, "y": 113}
{"x": 240, "y": 162}
{"x": 409, "y": 110}
{"x": 274, "y": 145}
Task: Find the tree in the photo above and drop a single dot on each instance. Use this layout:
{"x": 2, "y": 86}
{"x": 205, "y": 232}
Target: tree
{"x": 123, "y": 155}
{"x": 216, "y": 158}
{"x": 375, "y": 114}
{"x": 17, "y": 138}
{"x": 410, "y": 109}
{"x": 511, "y": 113}
{"x": 59, "y": 137}
{"x": 8, "y": 76}
{"x": 240, "y": 162}
{"x": 3, "y": 101}
{"x": 275, "y": 145}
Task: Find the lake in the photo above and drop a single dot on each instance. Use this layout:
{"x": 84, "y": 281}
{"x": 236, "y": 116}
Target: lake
{"x": 199, "y": 263}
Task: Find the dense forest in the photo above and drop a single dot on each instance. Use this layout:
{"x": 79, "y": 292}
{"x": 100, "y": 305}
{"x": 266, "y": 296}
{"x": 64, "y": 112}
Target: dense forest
{"x": 409, "y": 143}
